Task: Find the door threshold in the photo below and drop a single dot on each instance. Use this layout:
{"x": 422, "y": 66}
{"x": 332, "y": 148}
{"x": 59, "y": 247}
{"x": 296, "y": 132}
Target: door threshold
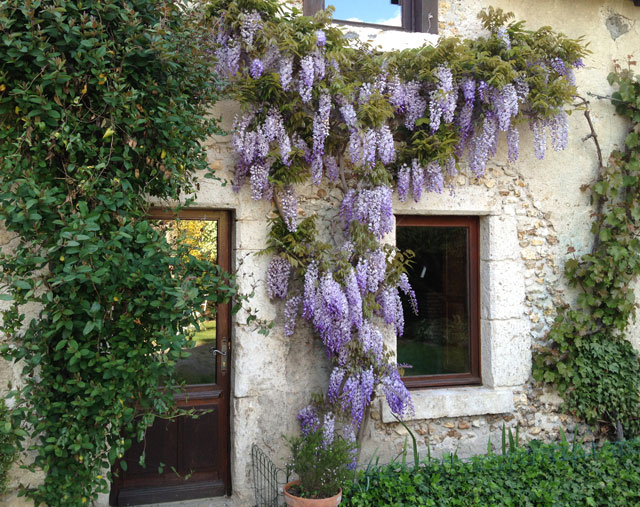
{"x": 165, "y": 494}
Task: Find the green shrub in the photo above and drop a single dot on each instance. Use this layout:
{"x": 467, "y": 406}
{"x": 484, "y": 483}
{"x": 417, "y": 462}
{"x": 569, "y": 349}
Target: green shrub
{"x": 7, "y": 447}
{"x": 539, "y": 474}
{"x": 322, "y": 466}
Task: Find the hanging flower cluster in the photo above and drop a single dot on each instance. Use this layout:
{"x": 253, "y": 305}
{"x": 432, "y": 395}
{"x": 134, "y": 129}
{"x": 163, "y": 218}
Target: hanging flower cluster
{"x": 316, "y": 108}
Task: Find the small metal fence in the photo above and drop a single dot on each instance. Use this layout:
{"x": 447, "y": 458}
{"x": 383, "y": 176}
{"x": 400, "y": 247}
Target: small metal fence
{"x": 268, "y": 479}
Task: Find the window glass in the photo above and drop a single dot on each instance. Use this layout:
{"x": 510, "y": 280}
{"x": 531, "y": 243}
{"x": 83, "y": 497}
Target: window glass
{"x": 202, "y": 238}
{"x": 379, "y": 12}
{"x": 437, "y": 340}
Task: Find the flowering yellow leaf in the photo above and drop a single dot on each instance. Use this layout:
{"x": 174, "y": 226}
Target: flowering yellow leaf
{"x": 109, "y": 132}
{"x": 163, "y": 154}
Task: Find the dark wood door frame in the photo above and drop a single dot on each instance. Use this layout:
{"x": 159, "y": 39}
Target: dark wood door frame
{"x": 211, "y": 399}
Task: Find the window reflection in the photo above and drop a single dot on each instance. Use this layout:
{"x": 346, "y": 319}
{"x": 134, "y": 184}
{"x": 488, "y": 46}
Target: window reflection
{"x": 202, "y": 238}
{"x": 379, "y": 12}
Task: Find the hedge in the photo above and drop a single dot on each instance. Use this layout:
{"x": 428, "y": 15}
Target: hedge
{"x": 538, "y": 474}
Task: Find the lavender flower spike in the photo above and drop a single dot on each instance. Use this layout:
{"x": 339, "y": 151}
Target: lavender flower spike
{"x": 278, "y": 277}
{"x": 256, "y": 68}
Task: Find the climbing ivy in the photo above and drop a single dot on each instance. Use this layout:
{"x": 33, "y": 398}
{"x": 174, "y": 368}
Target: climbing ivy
{"x": 103, "y": 106}
{"x": 587, "y": 355}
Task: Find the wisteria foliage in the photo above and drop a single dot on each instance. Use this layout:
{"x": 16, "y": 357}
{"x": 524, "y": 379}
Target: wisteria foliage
{"x": 403, "y": 121}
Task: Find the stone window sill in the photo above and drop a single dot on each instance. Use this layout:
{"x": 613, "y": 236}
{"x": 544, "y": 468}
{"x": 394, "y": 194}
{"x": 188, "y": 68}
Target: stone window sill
{"x": 456, "y": 402}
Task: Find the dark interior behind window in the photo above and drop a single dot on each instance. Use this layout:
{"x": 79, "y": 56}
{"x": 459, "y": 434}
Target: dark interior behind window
{"x": 442, "y": 341}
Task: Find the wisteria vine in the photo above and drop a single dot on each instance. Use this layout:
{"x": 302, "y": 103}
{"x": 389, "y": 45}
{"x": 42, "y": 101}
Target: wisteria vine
{"x": 369, "y": 122}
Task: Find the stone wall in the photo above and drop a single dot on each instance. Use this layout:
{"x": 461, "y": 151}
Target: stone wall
{"x": 530, "y": 213}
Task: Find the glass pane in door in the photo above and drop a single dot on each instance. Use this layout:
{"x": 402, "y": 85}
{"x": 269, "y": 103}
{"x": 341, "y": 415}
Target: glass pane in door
{"x": 200, "y": 366}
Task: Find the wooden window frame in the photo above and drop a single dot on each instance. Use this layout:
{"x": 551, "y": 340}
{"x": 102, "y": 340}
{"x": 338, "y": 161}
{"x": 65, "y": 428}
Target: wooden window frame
{"x": 473, "y": 377}
{"x": 417, "y": 15}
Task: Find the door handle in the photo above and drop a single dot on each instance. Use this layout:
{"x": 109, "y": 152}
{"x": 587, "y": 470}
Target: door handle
{"x": 223, "y": 354}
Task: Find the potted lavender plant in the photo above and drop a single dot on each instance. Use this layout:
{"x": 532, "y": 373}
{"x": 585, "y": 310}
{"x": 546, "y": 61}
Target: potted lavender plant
{"x": 323, "y": 461}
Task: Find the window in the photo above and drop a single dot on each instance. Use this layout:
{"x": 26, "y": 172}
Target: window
{"x": 442, "y": 342}
{"x": 409, "y": 15}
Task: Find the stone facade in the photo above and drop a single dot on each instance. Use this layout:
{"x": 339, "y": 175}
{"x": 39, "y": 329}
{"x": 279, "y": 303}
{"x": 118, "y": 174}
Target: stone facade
{"x": 530, "y": 213}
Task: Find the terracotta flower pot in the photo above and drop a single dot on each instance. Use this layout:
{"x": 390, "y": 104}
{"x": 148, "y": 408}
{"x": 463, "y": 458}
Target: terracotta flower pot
{"x": 296, "y": 501}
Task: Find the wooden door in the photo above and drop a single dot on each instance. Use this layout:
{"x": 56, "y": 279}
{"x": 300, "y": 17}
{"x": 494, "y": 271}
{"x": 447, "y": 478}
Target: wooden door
{"x": 189, "y": 458}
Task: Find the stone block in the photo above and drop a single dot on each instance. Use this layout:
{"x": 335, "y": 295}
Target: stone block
{"x": 251, "y": 234}
{"x": 502, "y": 289}
{"x": 506, "y": 352}
{"x": 499, "y": 238}
{"x": 456, "y": 402}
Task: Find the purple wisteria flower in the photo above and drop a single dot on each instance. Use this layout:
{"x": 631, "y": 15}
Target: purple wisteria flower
{"x": 503, "y": 35}
{"x": 513, "y": 137}
{"x": 259, "y": 177}
{"x": 289, "y": 200}
{"x": 450, "y": 166}
{"x": 365, "y": 93}
{"x": 443, "y": 99}
{"x": 559, "y": 126}
{"x": 256, "y": 68}
{"x": 251, "y": 25}
{"x": 468, "y": 88}
{"x": 505, "y": 105}
{"x": 372, "y": 207}
{"x": 522, "y": 88}
{"x": 286, "y": 72}
{"x": 414, "y": 102}
{"x": 396, "y": 393}
{"x": 346, "y": 208}
{"x": 335, "y": 384}
{"x": 417, "y": 179}
{"x": 385, "y": 145}
{"x": 376, "y": 269}
{"x": 434, "y": 179}
{"x": 558, "y": 65}
{"x": 355, "y": 147}
{"x": 404, "y": 179}
{"x": 319, "y": 65}
{"x": 481, "y": 145}
{"x": 291, "y": 314}
{"x": 405, "y": 287}
{"x": 331, "y": 165}
{"x": 321, "y": 38}
{"x": 328, "y": 430}
{"x": 320, "y": 133}
{"x": 349, "y": 115}
{"x": 278, "y": 277}
{"x": 308, "y": 418}
{"x": 354, "y": 299}
{"x": 371, "y": 339}
{"x": 307, "y": 76}
{"x": 539, "y": 137}
{"x": 228, "y": 59}
{"x": 397, "y": 95}
{"x": 356, "y": 395}
{"x": 310, "y": 298}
